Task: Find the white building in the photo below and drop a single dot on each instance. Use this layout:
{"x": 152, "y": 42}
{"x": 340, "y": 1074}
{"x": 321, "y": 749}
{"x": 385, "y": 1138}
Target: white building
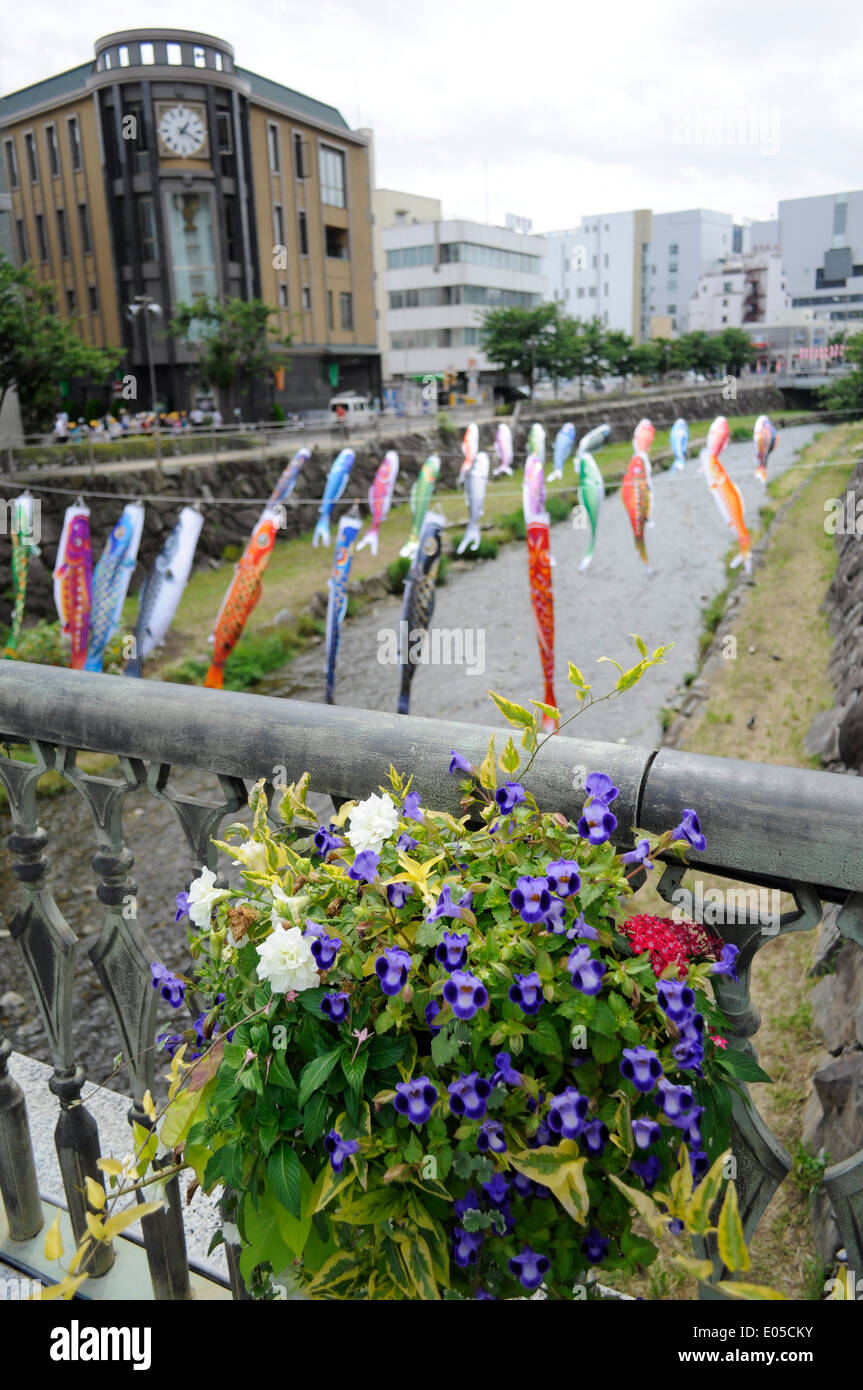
{"x": 684, "y": 246}
{"x": 440, "y": 276}
{"x": 599, "y": 270}
{"x": 821, "y": 240}
{"x": 393, "y": 209}
{"x": 739, "y": 291}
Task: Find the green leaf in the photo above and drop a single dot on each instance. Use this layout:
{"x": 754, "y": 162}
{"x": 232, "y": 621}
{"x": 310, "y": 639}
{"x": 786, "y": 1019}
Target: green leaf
{"x": 705, "y": 1194}
{"x": 283, "y": 1175}
{"x": 315, "y": 1118}
{"x": 355, "y": 1069}
{"x": 315, "y": 1073}
{"x": 265, "y": 1242}
{"x": 582, "y": 686}
{"x": 631, "y": 677}
{"x": 419, "y": 1266}
{"x": 370, "y": 1208}
{"x": 279, "y": 1073}
{"x": 640, "y": 644}
{"x": 512, "y": 713}
{"x": 741, "y": 1065}
{"x": 551, "y": 710}
{"x": 561, "y": 1169}
{"x": 342, "y": 1275}
{"x": 543, "y": 1036}
{"x": 759, "y": 1292}
{"x": 385, "y": 1052}
{"x": 488, "y": 771}
{"x": 729, "y": 1234}
{"x": 509, "y": 758}
{"x": 446, "y": 1045}
{"x": 225, "y": 1165}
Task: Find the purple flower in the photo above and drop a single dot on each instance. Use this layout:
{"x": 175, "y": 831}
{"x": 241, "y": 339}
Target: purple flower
{"x": 676, "y": 999}
{"x": 586, "y": 971}
{"x": 496, "y": 1190}
{"x": 527, "y": 992}
{"x": 566, "y": 1116}
{"x": 484, "y": 1294}
{"x": 642, "y": 1067}
{"x": 639, "y": 855}
{"x": 451, "y": 953}
{"x": 595, "y": 1246}
{"x": 599, "y": 786}
{"x": 465, "y": 994}
{"x": 431, "y": 1011}
{"x": 690, "y": 1131}
{"x": 468, "y": 1095}
{"x": 522, "y": 1185}
{"x": 581, "y": 930}
{"x": 392, "y": 969}
{"x": 169, "y": 1042}
{"x": 542, "y": 1137}
{"x": 469, "y": 1202}
{"x": 510, "y": 795}
{"x": 596, "y": 823}
{"x": 556, "y": 917}
{"x": 339, "y": 1149}
{"x": 490, "y": 1137}
{"x": 325, "y": 840}
{"x": 689, "y": 829}
{"x": 365, "y": 866}
{"x": 412, "y": 808}
{"x": 645, "y": 1132}
{"x": 168, "y": 985}
{"x": 466, "y": 1246}
{"x": 182, "y": 906}
{"x": 325, "y": 948}
{"x": 336, "y": 1006}
{"x": 699, "y": 1164}
{"x": 563, "y": 878}
{"x": 594, "y": 1137}
{"x": 398, "y": 893}
{"x": 675, "y": 1102}
{"x": 529, "y": 1267}
{"x": 406, "y": 842}
{"x": 445, "y": 907}
{"x": 415, "y": 1099}
{"x": 648, "y": 1169}
{"x": 530, "y": 898}
{"x": 505, "y": 1071}
{"x": 675, "y": 1225}
{"x": 458, "y": 763}
{"x": 727, "y": 963}
{"x": 689, "y": 1050}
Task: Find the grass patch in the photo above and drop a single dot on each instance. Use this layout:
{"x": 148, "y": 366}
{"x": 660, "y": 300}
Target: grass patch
{"x": 486, "y": 550}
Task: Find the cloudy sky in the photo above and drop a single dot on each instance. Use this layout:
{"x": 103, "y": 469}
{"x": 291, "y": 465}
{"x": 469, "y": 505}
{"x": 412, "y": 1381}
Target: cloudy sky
{"x": 545, "y": 108}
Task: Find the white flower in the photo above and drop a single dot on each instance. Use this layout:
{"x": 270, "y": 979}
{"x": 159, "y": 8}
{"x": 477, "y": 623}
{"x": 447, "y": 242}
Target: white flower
{"x": 286, "y": 960}
{"x": 203, "y": 896}
{"x": 293, "y": 908}
{"x": 372, "y": 822}
{"x": 253, "y": 856}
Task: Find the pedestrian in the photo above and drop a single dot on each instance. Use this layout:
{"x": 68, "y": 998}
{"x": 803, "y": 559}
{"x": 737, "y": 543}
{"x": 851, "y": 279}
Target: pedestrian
{"x": 217, "y": 419}
{"x": 61, "y": 427}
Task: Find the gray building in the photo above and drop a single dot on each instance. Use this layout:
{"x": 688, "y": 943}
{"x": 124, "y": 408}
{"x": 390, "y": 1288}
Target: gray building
{"x": 685, "y": 245}
{"x": 821, "y": 240}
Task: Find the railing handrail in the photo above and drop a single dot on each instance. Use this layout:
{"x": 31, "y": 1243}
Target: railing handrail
{"x": 764, "y": 823}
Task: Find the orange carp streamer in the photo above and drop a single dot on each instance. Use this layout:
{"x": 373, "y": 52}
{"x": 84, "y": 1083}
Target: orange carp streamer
{"x": 243, "y": 594}
{"x": 542, "y": 598}
{"x": 635, "y": 492}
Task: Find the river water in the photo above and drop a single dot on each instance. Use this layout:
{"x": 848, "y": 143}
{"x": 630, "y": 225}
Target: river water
{"x": 489, "y": 604}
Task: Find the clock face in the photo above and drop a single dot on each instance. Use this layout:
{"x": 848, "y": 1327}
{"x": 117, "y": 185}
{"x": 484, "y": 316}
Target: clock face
{"x": 182, "y": 131}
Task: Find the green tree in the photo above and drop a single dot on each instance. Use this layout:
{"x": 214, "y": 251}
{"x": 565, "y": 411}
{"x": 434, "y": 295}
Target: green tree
{"x": 734, "y": 350}
{"x": 620, "y": 355}
{"x": 697, "y": 352}
{"x": 38, "y": 349}
{"x": 846, "y": 392}
{"x": 594, "y": 337}
{"x": 655, "y": 358}
{"x": 233, "y": 339}
{"x": 518, "y": 340}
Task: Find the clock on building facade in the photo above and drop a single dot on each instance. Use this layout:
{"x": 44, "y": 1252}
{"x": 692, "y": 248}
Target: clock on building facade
{"x": 182, "y": 130}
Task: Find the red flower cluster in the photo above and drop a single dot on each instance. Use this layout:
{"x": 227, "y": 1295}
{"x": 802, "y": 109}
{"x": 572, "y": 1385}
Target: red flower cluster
{"x": 670, "y": 942}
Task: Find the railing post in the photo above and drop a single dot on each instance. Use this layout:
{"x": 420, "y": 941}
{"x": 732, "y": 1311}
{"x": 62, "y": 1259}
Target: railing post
{"x": 19, "y": 1188}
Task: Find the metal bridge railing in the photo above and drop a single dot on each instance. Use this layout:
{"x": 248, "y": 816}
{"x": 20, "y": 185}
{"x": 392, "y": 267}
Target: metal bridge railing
{"x": 795, "y": 830}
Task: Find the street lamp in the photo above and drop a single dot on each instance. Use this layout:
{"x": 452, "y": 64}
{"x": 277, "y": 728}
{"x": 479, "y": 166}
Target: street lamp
{"x": 149, "y": 306}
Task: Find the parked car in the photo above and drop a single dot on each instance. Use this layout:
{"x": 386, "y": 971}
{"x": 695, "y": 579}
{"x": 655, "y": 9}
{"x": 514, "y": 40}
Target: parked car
{"x": 349, "y": 407}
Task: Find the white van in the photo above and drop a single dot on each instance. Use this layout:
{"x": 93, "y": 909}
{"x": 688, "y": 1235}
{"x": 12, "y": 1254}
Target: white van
{"x": 355, "y": 407}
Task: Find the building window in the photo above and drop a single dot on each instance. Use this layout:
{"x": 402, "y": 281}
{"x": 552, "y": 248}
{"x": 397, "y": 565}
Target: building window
{"x": 190, "y": 237}
{"x": 592, "y": 292}
{"x": 70, "y": 301}
{"x": 147, "y": 230}
{"x": 23, "y": 248}
{"x": 605, "y": 258}
{"x": 32, "y": 161}
{"x": 75, "y": 143}
{"x": 724, "y": 318}
{"x": 409, "y": 256}
{"x": 337, "y": 243}
{"x": 273, "y": 147}
{"x": 174, "y": 54}
{"x": 332, "y": 171}
{"x": 672, "y": 308}
{"x": 62, "y": 231}
{"x": 200, "y": 58}
{"x": 93, "y": 299}
{"x": 672, "y": 284}
{"x": 107, "y": 61}
{"x": 11, "y": 164}
{"x": 307, "y": 296}
{"x": 605, "y": 289}
{"x": 278, "y": 226}
{"x": 672, "y": 250}
{"x": 124, "y": 55}
{"x": 725, "y": 303}
{"x": 303, "y": 231}
{"x": 672, "y": 267}
{"x": 594, "y": 263}
{"x": 579, "y": 294}
{"x": 148, "y": 54}
{"x": 283, "y": 295}
{"x": 301, "y": 162}
{"x": 219, "y": 61}
{"x": 346, "y": 309}
{"x": 224, "y": 134}
{"x": 53, "y": 152}
{"x": 330, "y": 319}
{"x": 84, "y": 228}
{"x": 41, "y": 240}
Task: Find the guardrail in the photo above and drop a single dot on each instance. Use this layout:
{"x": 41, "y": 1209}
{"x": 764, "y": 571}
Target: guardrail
{"x": 795, "y": 830}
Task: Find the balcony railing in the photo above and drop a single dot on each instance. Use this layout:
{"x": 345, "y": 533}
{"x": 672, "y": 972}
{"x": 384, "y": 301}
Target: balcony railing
{"x": 795, "y": 830}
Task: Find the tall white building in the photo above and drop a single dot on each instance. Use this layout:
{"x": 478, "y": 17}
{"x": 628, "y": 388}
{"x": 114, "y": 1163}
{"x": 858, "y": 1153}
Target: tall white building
{"x": 439, "y": 278}
{"x": 821, "y": 240}
{"x": 739, "y": 291}
{"x": 599, "y": 270}
{"x": 393, "y": 209}
{"x": 684, "y": 246}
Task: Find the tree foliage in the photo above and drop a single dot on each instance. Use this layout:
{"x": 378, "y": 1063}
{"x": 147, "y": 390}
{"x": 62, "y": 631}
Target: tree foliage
{"x": 38, "y": 349}
{"x": 232, "y": 339}
{"x": 846, "y": 392}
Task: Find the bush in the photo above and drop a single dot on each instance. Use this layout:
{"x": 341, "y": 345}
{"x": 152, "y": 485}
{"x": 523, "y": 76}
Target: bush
{"x": 503, "y": 410}
{"x": 278, "y": 413}
{"x": 486, "y": 550}
{"x": 741, "y": 435}
{"x": 446, "y": 426}
{"x": 231, "y": 554}
{"x": 44, "y": 644}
